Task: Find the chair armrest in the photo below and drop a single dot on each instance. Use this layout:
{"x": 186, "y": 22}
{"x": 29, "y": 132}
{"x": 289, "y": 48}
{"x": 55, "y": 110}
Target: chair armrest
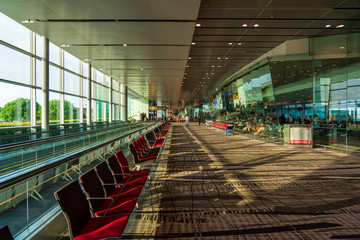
{"x": 103, "y": 198}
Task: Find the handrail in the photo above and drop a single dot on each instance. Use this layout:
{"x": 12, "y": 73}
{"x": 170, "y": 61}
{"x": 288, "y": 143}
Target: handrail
{"x": 6, "y": 183}
{"x": 30, "y": 143}
{"x": 51, "y": 131}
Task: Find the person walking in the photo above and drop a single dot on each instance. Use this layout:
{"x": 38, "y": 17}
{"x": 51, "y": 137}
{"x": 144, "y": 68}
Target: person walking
{"x": 187, "y": 121}
{"x": 199, "y": 120}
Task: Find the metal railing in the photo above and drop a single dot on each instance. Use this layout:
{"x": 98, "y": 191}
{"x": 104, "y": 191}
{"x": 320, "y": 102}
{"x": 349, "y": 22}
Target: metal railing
{"x": 27, "y": 193}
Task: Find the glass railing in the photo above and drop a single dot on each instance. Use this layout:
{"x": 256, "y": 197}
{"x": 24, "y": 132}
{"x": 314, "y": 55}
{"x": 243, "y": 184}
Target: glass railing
{"x": 332, "y": 136}
{"x": 15, "y": 159}
{"x": 18, "y": 134}
{"x": 31, "y": 194}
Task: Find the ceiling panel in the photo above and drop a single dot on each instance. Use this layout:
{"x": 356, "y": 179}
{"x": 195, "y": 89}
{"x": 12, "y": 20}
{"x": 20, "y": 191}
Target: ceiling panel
{"x": 166, "y": 57}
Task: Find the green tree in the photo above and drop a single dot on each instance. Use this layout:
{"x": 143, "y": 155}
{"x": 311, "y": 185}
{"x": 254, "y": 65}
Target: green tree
{"x": 54, "y": 109}
{"x": 16, "y": 110}
{"x": 70, "y": 112}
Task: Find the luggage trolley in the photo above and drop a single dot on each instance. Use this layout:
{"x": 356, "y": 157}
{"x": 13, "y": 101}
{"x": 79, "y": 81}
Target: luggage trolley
{"x": 229, "y": 128}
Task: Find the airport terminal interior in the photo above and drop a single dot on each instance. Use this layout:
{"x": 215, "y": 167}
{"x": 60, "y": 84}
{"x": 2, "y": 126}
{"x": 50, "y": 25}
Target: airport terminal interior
{"x": 179, "y": 119}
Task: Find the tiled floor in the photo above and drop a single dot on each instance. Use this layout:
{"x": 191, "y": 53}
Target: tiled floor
{"x": 210, "y": 186}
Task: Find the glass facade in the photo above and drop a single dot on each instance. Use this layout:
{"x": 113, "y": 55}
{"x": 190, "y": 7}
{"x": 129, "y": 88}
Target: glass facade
{"x": 321, "y": 88}
{"x": 21, "y": 81}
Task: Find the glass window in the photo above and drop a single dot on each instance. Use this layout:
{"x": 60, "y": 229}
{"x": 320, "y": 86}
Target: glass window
{"x": 71, "y": 82}
{"x": 107, "y": 81}
{"x": 85, "y": 87}
{"x": 54, "y": 108}
{"x": 14, "y": 33}
{"x": 116, "y": 86}
{"x": 14, "y": 105}
{"x": 54, "y": 78}
{"x": 38, "y": 73}
{"x": 14, "y": 66}
{"x": 99, "y": 77}
{"x": 100, "y": 111}
{"x": 54, "y": 52}
{"x": 39, "y": 46}
{"x": 71, "y": 62}
{"x": 85, "y": 69}
{"x": 71, "y": 108}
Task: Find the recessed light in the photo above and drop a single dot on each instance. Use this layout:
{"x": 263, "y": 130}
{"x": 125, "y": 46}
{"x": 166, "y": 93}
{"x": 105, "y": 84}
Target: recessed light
{"x": 212, "y": 66}
{"x": 141, "y": 69}
{"x": 187, "y": 65}
{"x": 256, "y": 25}
{"x": 342, "y": 47}
{"x": 27, "y": 21}
{"x": 193, "y": 43}
{"x": 328, "y": 25}
{"x": 239, "y": 43}
{"x": 64, "y": 45}
{"x": 226, "y": 58}
{"x": 185, "y": 73}
{"x": 340, "y": 26}
{"x": 198, "y": 25}
{"x": 219, "y": 66}
{"x": 124, "y": 44}
{"x": 230, "y": 43}
{"x": 189, "y": 57}
{"x": 244, "y": 25}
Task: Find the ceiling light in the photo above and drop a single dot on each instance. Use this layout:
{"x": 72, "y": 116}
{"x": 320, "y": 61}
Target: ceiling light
{"x": 27, "y": 21}
{"x": 230, "y": 43}
{"x": 124, "y": 44}
{"x": 226, "y": 58}
{"x": 328, "y": 25}
{"x": 239, "y": 43}
{"x": 193, "y": 43}
{"x": 212, "y": 66}
{"x": 64, "y": 45}
{"x": 198, "y": 25}
{"x": 341, "y": 47}
{"x": 185, "y": 73}
{"x": 219, "y": 66}
{"x": 340, "y": 26}
{"x": 256, "y": 25}
{"x": 244, "y": 25}
{"x": 187, "y": 65}
{"x": 189, "y": 57}
{"x": 219, "y": 58}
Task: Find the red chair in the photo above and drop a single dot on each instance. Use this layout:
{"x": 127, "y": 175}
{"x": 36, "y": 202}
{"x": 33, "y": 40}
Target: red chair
{"x": 125, "y": 166}
{"x": 150, "y": 136}
{"x": 5, "y": 233}
{"x": 124, "y": 178}
{"x": 113, "y": 189}
{"x": 77, "y": 213}
{"x": 100, "y": 204}
{"x": 138, "y": 157}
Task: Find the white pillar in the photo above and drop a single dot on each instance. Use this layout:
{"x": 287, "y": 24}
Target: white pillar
{"x": 45, "y": 86}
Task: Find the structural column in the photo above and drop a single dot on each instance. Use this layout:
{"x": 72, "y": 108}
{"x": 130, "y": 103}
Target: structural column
{"x": 33, "y": 85}
{"x": 62, "y": 89}
{"x": 111, "y": 110}
{"x": 45, "y": 86}
{"x": 81, "y": 87}
{"x": 88, "y": 109}
{"x": 123, "y": 103}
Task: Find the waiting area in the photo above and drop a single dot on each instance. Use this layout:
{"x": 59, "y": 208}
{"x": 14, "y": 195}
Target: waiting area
{"x": 208, "y": 185}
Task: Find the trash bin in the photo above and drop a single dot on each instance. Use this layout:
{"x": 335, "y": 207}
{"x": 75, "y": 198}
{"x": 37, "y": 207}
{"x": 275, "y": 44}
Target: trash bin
{"x": 298, "y": 135}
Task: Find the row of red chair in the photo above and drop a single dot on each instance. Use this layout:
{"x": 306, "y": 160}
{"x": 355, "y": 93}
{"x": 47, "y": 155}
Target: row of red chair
{"x": 148, "y": 149}
{"x": 111, "y": 193}
{"x": 218, "y": 125}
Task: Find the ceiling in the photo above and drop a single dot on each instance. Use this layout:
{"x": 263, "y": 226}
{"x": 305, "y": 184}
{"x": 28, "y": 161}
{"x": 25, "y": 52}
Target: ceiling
{"x": 167, "y": 57}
